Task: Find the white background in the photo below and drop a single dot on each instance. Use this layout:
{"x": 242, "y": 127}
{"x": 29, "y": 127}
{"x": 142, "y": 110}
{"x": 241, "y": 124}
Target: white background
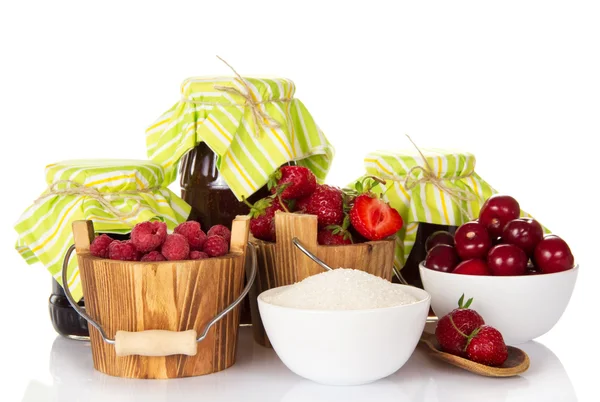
{"x": 515, "y": 82}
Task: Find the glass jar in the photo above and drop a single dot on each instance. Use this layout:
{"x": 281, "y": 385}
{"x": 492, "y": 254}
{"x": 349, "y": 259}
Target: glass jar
{"x": 213, "y": 203}
{"x": 65, "y": 319}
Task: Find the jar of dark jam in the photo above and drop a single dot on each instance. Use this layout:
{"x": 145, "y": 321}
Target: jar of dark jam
{"x": 213, "y": 203}
{"x": 65, "y": 319}
{"x": 410, "y": 271}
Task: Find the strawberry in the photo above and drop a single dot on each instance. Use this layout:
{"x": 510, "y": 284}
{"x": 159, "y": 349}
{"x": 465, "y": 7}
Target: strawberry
{"x": 335, "y": 234}
{"x": 296, "y": 181}
{"x": 486, "y": 346}
{"x": 326, "y": 202}
{"x": 374, "y": 218}
{"x": 262, "y": 214}
{"x": 453, "y": 329}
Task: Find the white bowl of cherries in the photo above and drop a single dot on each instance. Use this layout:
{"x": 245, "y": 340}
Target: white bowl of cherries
{"x": 521, "y": 281}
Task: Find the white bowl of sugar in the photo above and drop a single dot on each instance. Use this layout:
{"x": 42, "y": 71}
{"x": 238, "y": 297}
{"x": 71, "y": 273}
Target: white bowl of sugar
{"x": 344, "y": 327}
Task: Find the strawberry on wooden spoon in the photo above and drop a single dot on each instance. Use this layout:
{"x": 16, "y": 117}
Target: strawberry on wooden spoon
{"x": 372, "y": 217}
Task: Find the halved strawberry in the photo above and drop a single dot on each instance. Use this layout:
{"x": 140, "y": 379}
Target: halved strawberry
{"x": 373, "y": 218}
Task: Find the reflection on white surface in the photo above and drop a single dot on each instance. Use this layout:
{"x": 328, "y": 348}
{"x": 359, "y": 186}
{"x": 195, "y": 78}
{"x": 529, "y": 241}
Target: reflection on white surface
{"x": 259, "y": 375}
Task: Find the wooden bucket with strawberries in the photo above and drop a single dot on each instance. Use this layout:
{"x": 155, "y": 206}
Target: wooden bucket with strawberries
{"x": 163, "y": 319}
{"x": 323, "y": 225}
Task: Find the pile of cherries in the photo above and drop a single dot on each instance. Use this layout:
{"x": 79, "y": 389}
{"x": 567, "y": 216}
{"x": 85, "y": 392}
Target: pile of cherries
{"x": 498, "y": 243}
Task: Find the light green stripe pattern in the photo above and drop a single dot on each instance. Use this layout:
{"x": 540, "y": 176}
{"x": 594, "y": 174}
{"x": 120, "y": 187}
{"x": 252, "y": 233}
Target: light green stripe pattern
{"x": 426, "y": 202}
{"x": 247, "y": 153}
{"x": 44, "y": 229}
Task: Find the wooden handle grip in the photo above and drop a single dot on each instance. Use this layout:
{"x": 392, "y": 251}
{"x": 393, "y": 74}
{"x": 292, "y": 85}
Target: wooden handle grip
{"x": 156, "y": 342}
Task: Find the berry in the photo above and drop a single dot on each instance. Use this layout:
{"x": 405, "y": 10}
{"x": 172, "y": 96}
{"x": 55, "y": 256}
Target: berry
{"x": 153, "y": 256}
{"x": 176, "y": 247}
{"x": 148, "y": 236}
{"x": 507, "y": 260}
{"x": 328, "y": 237}
{"x": 122, "y": 250}
{"x": 453, "y": 329}
{"x": 525, "y": 233}
{"x": 472, "y": 241}
{"x": 293, "y": 182}
{"x": 193, "y": 233}
{"x": 497, "y": 211}
{"x": 472, "y": 267}
{"x": 220, "y": 230}
{"x": 374, "y": 218}
{"x": 486, "y": 346}
{"x": 262, "y": 222}
{"x": 326, "y": 202}
{"x": 198, "y": 255}
{"x": 99, "y": 246}
{"x": 215, "y": 246}
{"x": 439, "y": 237}
{"x": 442, "y": 258}
{"x": 553, "y": 254}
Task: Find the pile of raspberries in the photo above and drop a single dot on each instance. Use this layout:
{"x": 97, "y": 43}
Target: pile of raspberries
{"x": 149, "y": 241}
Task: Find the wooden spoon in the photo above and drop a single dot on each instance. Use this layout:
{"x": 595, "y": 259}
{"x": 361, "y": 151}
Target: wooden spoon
{"x": 517, "y": 362}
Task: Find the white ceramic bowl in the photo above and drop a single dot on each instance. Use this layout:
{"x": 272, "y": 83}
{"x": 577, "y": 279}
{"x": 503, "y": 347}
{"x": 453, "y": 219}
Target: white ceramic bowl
{"x": 520, "y": 307}
{"x": 348, "y": 347}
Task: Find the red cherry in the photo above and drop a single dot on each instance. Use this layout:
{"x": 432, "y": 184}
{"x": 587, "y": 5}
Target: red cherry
{"x": 472, "y": 267}
{"x": 507, "y": 260}
{"x": 524, "y": 233}
{"x": 439, "y": 237}
{"x": 553, "y": 254}
{"x": 472, "y": 241}
{"x": 497, "y": 211}
{"x": 442, "y": 258}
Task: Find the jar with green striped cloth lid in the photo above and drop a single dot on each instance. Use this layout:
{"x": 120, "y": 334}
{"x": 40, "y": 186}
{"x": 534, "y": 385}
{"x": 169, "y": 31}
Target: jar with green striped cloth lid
{"x": 253, "y": 125}
{"x": 114, "y": 194}
{"x": 432, "y": 189}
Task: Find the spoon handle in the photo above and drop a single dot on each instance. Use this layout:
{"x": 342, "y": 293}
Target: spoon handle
{"x": 310, "y": 255}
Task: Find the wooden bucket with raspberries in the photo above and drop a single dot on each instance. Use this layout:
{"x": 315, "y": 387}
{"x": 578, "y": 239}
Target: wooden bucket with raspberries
{"x": 281, "y": 263}
{"x": 163, "y": 319}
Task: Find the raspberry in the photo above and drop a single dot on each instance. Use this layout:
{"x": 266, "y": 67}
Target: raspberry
{"x": 215, "y": 246}
{"x": 193, "y": 233}
{"x": 99, "y": 246}
{"x": 148, "y": 236}
{"x": 198, "y": 255}
{"x": 176, "y": 247}
{"x": 220, "y": 230}
{"x": 122, "y": 250}
{"x": 153, "y": 256}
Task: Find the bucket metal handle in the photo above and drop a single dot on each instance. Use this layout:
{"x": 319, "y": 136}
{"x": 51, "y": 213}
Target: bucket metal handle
{"x": 156, "y": 342}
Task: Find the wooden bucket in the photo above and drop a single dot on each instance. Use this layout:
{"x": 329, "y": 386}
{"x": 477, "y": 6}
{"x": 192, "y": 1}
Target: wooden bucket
{"x": 165, "y": 319}
{"x": 281, "y": 263}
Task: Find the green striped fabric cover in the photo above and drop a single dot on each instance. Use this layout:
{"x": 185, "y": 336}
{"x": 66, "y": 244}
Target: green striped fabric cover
{"x": 426, "y": 202}
{"x": 44, "y": 229}
{"x": 247, "y": 155}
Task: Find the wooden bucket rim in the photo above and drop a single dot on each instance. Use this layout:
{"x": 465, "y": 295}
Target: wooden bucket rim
{"x": 204, "y": 261}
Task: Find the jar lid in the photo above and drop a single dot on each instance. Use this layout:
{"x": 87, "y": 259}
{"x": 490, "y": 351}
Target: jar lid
{"x": 114, "y": 194}
{"x": 254, "y": 125}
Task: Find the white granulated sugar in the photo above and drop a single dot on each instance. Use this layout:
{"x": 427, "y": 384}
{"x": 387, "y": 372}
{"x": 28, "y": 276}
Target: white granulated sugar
{"x": 341, "y": 289}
